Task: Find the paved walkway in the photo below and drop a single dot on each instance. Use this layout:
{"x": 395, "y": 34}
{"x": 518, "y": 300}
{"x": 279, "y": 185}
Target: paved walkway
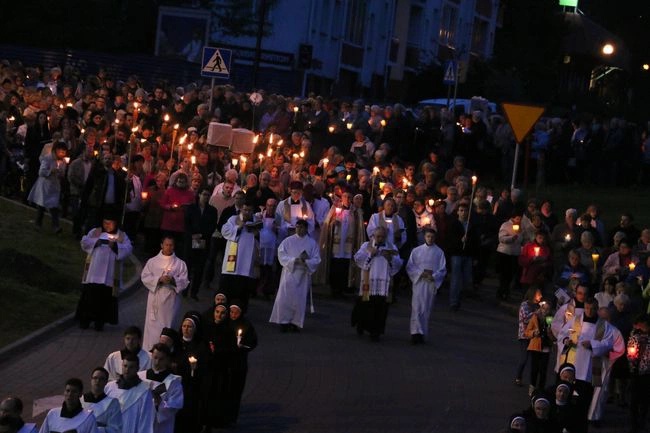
{"x": 326, "y": 378}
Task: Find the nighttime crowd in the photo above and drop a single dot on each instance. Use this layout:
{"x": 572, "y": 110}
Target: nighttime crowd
{"x": 370, "y": 202}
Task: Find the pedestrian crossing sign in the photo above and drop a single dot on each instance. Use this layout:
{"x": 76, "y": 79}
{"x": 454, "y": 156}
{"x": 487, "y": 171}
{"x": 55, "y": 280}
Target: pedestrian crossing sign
{"x": 451, "y": 69}
{"x": 216, "y": 62}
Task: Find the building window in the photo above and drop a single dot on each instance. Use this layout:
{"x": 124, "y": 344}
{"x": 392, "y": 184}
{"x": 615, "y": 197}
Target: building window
{"x": 355, "y": 22}
{"x": 415, "y": 26}
{"x": 479, "y": 36}
{"x": 448, "y": 25}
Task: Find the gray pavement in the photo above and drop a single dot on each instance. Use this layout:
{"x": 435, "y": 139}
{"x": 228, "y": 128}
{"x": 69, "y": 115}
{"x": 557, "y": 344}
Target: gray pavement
{"x": 327, "y": 378}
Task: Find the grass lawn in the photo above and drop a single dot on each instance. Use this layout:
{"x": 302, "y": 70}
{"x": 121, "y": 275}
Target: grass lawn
{"x": 41, "y": 273}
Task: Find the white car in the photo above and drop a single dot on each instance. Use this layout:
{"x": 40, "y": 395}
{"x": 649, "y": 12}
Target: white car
{"x": 468, "y": 105}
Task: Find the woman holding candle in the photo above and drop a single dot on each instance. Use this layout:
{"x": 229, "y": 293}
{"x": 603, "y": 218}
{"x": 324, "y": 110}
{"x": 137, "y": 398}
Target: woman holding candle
{"x": 246, "y": 341}
{"x": 221, "y": 344}
{"x": 622, "y": 262}
{"x": 535, "y": 261}
{"x": 194, "y": 353}
{"x": 47, "y": 189}
{"x": 508, "y": 252}
{"x": 173, "y": 203}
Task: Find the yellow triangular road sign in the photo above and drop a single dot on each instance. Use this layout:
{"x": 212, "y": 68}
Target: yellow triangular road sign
{"x": 522, "y": 118}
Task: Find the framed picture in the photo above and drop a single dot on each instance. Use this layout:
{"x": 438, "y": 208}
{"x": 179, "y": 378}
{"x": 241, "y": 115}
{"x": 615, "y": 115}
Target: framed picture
{"x": 182, "y": 33}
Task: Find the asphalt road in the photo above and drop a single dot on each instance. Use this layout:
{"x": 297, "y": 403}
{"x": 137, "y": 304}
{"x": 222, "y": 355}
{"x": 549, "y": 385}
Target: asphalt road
{"x": 326, "y": 378}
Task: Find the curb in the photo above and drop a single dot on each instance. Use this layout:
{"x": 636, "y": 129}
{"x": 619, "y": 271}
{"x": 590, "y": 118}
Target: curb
{"x": 27, "y": 342}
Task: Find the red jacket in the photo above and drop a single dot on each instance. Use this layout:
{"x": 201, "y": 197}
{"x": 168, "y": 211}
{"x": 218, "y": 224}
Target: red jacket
{"x": 533, "y": 268}
{"x": 173, "y": 205}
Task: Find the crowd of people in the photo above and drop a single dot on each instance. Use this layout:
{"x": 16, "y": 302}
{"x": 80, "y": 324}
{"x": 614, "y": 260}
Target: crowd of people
{"x": 369, "y": 202}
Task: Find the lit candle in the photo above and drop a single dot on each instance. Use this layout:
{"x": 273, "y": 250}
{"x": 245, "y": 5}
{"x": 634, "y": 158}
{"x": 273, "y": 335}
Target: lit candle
{"x": 260, "y": 157}
{"x": 95, "y": 153}
{"x": 193, "y": 362}
{"x": 474, "y": 180}
{"x": 193, "y": 159}
{"x": 271, "y": 139}
{"x": 567, "y": 238}
{"x": 144, "y": 195}
{"x": 295, "y": 156}
{"x": 388, "y": 220}
{"x": 381, "y": 185}
{"x": 239, "y": 332}
{"x": 431, "y": 202}
{"x": 382, "y": 123}
{"x": 338, "y": 212}
{"x": 234, "y": 162}
{"x": 302, "y": 154}
{"x": 325, "y": 162}
{"x": 166, "y": 118}
{"x": 375, "y": 171}
{"x": 280, "y": 142}
{"x": 331, "y": 129}
{"x": 349, "y": 125}
{"x": 69, "y": 104}
{"x": 515, "y": 228}
{"x": 595, "y": 257}
{"x": 269, "y": 152}
{"x": 66, "y": 159}
{"x": 296, "y": 109}
{"x": 348, "y": 177}
{"x": 425, "y": 221}
{"x": 135, "y": 112}
{"x": 632, "y": 351}
{"x": 256, "y": 138}
{"x": 632, "y": 266}
{"x": 536, "y": 249}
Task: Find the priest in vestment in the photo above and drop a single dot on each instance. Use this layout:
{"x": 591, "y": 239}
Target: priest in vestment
{"x": 165, "y": 276}
{"x": 299, "y": 256}
{"x": 240, "y": 268}
{"x": 71, "y": 416}
{"x": 341, "y": 235}
{"x": 292, "y": 209}
{"x": 426, "y": 268}
{"x": 166, "y": 388}
{"x": 106, "y": 409}
{"x": 136, "y": 400}
{"x": 104, "y": 246}
{"x": 379, "y": 261}
{"x": 389, "y": 220}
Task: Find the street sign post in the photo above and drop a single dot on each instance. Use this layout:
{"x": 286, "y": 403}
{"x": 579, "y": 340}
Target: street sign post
{"x": 215, "y": 64}
{"x": 450, "y": 76}
{"x": 522, "y": 118}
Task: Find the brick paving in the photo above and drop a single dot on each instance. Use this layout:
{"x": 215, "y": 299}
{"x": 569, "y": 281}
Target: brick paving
{"x": 327, "y": 378}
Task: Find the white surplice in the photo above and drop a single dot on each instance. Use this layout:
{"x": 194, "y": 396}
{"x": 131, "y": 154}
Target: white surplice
{"x": 247, "y": 248}
{"x": 600, "y": 392}
{"x": 295, "y": 281}
{"x": 321, "y": 208}
{"x": 113, "y": 363}
{"x": 136, "y": 404}
{"x": 101, "y": 269}
{"x": 423, "y": 258}
{"x": 83, "y": 422}
{"x": 163, "y": 302}
{"x": 301, "y": 210}
{"x": 393, "y": 224}
{"x": 107, "y": 414}
{"x": 381, "y": 270}
{"x": 171, "y": 401}
{"x": 28, "y": 428}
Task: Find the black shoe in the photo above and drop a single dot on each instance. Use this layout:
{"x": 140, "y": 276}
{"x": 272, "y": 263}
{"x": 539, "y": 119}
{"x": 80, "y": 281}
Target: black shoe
{"x": 284, "y": 328}
{"x": 294, "y": 328}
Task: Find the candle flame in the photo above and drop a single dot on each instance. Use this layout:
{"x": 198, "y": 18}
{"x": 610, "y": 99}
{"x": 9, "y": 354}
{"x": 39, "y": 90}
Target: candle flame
{"x": 166, "y": 118}
{"x": 260, "y": 156}
{"x": 302, "y": 154}
{"x": 383, "y": 122}
{"x": 295, "y": 109}
{"x": 176, "y": 126}
{"x": 330, "y": 129}
{"x": 193, "y": 159}
{"x": 183, "y": 138}
{"x": 474, "y": 179}
{"x": 255, "y": 139}
{"x": 349, "y": 125}
{"x": 431, "y": 202}
{"x": 269, "y": 152}
{"x": 69, "y": 104}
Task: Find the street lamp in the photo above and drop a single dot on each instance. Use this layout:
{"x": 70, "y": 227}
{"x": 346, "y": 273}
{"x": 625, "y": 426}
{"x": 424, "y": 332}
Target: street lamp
{"x": 608, "y": 49}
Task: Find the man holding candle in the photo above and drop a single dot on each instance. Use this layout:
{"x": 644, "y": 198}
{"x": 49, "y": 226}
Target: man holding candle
{"x": 200, "y": 224}
{"x": 165, "y": 276}
{"x": 638, "y": 355}
{"x": 299, "y": 257}
{"x": 292, "y": 209}
{"x": 104, "y": 246}
{"x": 426, "y": 268}
{"x": 238, "y": 271}
{"x": 390, "y": 221}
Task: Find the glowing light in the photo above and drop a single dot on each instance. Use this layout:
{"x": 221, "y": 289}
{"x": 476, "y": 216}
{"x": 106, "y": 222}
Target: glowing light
{"x": 608, "y": 49}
